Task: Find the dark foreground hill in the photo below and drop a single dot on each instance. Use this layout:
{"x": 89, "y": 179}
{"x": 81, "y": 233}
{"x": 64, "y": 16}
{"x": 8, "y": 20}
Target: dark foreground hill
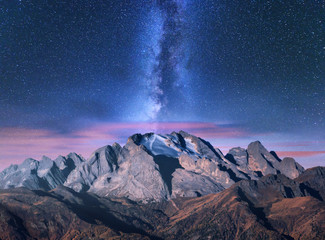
{"x": 273, "y": 207}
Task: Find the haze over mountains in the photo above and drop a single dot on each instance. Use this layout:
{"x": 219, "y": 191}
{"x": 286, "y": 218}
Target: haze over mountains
{"x": 151, "y": 167}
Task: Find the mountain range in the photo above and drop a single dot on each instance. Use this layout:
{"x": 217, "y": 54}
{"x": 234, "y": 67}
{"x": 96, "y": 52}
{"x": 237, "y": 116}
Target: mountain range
{"x": 151, "y": 167}
{"x": 172, "y": 186}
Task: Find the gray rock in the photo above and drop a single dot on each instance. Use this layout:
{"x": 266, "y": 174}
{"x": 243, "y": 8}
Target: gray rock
{"x": 49, "y": 172}
{"x": 290, "y": 168}
{"x": 102, "y": 161}
{"x": 238, "y": 156}
{"x": 202, "y": 147}
{"x": 45, "y": 174}
{"x": 314, "y": 178}
{"x": 278, "y": 186}
{"x": 137, "y": 177}
{"x": 259, "y": 159}
{"x": 189, "y": 184}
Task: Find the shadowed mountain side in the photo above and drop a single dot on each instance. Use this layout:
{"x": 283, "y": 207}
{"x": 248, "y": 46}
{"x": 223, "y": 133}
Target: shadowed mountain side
{"x": 52, "y": 215}
{"x": 167, "y": 166}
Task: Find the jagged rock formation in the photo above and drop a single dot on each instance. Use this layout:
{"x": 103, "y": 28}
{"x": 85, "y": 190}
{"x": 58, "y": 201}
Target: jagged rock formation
{"x": 273, "y": 207}
{"x": 152, "y": 167}
{"x": 314, "y": 178}
{"x": 45, "y": 174}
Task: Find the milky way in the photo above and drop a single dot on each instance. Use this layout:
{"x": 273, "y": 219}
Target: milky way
{"x": 257, "y": 67}
{"x": 164, "y": 76}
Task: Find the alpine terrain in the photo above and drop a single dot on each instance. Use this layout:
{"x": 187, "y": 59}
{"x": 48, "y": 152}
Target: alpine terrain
{"x": 173, "y": 186}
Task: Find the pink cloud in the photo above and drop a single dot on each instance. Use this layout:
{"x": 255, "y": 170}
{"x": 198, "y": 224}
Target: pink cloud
{"x": 16, "y": 144}
{"x": 201, "y": 129}
{"x": 299, "y": 153}
{"x": 296, "y": 144}
{"x": 219, "y": 132}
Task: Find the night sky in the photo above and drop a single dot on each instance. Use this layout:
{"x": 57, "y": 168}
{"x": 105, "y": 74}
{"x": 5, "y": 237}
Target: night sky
{"x": 76, "y": 75}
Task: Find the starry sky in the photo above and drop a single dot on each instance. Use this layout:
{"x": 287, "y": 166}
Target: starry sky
{"x": 77, "y": 75}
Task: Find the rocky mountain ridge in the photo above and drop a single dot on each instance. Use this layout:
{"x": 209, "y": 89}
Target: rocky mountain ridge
{"x": 151, "y": 167}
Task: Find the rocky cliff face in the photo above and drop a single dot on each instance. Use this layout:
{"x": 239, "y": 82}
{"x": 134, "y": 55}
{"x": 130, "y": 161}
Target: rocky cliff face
{"x": 45, "y": 174}
{"x": 152, "y": 167}
{"x": 314, "y": 178}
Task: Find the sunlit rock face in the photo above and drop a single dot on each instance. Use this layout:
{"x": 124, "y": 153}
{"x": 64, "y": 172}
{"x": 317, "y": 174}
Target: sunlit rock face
{"x": 151, "y": 167}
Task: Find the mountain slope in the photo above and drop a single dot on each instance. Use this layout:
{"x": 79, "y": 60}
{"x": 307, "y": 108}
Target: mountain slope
{"x": 273, "y": 207}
